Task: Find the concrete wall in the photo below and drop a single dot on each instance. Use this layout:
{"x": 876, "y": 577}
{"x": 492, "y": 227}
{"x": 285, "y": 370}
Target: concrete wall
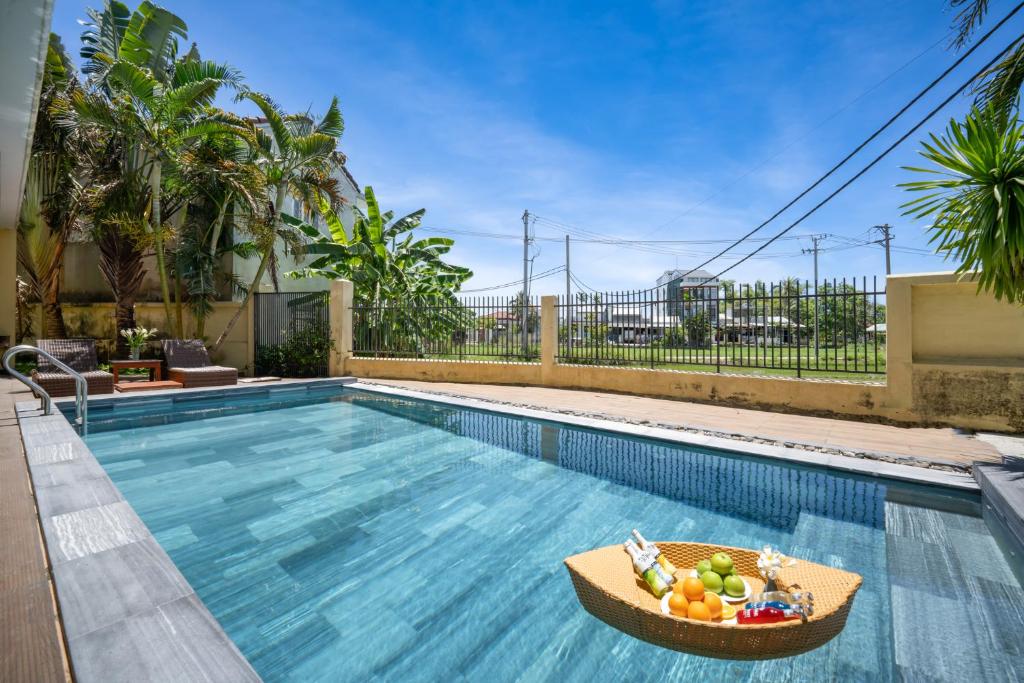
{"x": 954, "y": 358}
{"x": 8, "y": 286}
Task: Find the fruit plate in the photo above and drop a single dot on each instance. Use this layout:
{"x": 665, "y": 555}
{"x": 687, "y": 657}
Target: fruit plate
{"x": 725, "y": 596}
{"x": 666, "y": 610}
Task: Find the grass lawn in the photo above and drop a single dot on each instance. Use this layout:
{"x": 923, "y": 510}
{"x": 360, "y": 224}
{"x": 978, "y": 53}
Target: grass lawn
{"x": 853, "y": 362}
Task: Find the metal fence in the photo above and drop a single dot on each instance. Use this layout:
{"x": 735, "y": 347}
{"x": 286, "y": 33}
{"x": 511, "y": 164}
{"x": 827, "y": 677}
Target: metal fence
{"x": 477, "y": 328}
{"x": 834, "y": 328}
{"x": 292, "y": 333}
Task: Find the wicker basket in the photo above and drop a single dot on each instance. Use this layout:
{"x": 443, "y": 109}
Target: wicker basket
{"x": 608, "y": 588}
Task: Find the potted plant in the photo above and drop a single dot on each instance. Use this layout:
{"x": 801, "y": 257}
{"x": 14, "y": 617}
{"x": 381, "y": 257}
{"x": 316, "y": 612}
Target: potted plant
{"x": 136, "y": 339}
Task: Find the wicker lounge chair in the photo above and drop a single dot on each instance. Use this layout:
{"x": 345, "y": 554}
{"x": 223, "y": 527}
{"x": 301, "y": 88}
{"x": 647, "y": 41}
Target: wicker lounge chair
{"x": 80, "y": 355}
{"x": 189, "y": 363}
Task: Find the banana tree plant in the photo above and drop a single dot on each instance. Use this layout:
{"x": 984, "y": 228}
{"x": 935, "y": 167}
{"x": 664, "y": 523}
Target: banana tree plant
{"x": 145, "y": 93}
{"x": 975, "y": 199}
{"x": 403, "y": 284}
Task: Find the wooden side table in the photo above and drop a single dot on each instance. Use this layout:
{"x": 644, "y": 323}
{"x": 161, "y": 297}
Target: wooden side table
{"x": 153, "y": 365}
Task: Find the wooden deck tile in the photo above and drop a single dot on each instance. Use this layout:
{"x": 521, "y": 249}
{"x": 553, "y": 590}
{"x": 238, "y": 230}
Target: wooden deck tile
{"x": 31, "y": 641}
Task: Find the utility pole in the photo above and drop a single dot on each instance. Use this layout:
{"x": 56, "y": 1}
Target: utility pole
{"x": 816, "y": 241}
{"x": 887, "y": 237}
{"x": 524, "y": 323}
{"x": 568, "y": 300}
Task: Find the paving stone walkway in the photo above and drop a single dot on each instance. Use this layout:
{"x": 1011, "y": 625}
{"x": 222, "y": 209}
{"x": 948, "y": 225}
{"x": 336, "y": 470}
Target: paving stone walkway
{"x": 939, "y": 447}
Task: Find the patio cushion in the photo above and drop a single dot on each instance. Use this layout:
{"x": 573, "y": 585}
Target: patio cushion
{"x": 210, "y": 376}
{"x": 62, "y": 384}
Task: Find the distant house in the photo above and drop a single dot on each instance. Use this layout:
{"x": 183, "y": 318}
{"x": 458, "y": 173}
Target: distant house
{"x": 683, "y": 293}
{"x": 633, "y": 324}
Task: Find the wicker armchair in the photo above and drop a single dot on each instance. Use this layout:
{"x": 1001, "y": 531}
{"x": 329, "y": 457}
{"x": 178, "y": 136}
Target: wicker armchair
{"x": 189, "y": 363}
{"x": 79, "y": 355}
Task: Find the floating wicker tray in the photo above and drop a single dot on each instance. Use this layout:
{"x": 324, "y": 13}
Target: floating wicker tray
{"x": 608, "y": 588}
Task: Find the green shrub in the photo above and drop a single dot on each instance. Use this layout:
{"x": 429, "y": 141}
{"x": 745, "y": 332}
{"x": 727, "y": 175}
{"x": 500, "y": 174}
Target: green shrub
{"x": 303, "y": 353}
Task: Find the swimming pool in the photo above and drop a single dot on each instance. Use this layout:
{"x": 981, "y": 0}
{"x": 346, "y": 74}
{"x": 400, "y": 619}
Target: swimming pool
{"x": 354, "y": 535}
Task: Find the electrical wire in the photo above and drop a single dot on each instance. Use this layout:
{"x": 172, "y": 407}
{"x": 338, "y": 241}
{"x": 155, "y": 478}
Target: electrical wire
{"x": 880, "y": 130}
{"x": 867, "y": 141}
{"x": 878, "y": 158}
{"x": 533, "y": 278}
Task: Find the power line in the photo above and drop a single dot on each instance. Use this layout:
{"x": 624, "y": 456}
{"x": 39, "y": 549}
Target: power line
{"x": 789, "y": 145}
{"x": 878, "y": 132}
{"x": 533, "y": 278}
{"x": 878, "y": 158}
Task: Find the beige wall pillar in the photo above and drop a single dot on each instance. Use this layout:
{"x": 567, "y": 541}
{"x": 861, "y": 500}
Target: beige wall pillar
{"x": 548, "y": 337}
{"x": 341, "y": 326}
{"x": 899, "y": 344}
{"x": 8, "y": 286}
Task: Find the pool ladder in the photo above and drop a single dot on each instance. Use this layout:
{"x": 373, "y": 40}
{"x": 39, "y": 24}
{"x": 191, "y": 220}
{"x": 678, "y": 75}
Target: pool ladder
{"x": 81, "y": 386}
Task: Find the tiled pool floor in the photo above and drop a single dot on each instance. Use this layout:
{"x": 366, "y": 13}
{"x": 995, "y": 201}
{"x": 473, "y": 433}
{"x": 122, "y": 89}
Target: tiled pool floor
{"x": 369, "y": 537}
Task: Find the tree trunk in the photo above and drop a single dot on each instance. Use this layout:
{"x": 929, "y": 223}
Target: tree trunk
{"x": 218, "y": 225}
{"x": 156, "y": 227}
{"x": 245, "y": 300}
{"x": 124, "y": 312}
{"x": 179, "y": 294}
{"x": 281, "y": 193}
{"x": 53, "y": 315}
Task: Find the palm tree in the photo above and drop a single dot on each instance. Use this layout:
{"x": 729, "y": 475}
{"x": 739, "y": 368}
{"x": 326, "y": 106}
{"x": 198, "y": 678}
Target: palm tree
{"x": 160, "y": 103}
{"x": 975, "y": 199}
{"x": 54, "y": 192}
{"x": 222, "y": 182}
{"x": 1000, "y": 85}
{"x": 296, "y": 160}
{"x": 118, "y": 197}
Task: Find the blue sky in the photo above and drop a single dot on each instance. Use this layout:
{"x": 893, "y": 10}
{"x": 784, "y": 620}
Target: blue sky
{"x": 667, "y": 120}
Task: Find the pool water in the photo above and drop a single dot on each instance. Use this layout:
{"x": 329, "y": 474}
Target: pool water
{"x": 362, "y": 537}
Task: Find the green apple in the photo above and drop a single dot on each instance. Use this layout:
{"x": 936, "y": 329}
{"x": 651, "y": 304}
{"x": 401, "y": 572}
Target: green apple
{"x": 703, "y": 566}
{"x": 721, "y": 563}
{"x": 712, "y": 581}
{"x": 734, "y": 586}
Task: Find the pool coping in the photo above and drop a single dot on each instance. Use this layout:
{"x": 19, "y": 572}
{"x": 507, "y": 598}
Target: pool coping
{"x": 128, "y": 612}
{"x": 795, "y": 454}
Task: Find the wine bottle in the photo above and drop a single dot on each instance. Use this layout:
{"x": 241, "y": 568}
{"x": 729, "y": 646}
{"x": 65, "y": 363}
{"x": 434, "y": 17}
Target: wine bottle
{"x": 669, "y": 568}
{"x": 647, "y": 567}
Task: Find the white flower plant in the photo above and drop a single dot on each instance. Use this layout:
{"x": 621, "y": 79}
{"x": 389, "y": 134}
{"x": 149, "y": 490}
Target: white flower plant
{"x": 137, "y": 338}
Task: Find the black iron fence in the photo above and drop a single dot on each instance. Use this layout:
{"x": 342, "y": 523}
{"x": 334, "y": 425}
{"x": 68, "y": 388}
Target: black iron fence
{"x": 477, "y": 328}
{"x": 834, "y": 328}
{"x": 292, "y": 334}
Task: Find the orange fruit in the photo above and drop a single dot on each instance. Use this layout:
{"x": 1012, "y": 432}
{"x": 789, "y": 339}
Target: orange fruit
{"x": 728, "y": 611}
{"x": 714, "y": 604}
{"x": 677, "y": 604}
{"x": 677, "y": 587}
{"x": 693, "y": 589}
{"x": 698, "y": 611}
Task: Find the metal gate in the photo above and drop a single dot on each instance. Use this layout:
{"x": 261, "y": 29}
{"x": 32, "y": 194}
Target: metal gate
{"x": 292, "y": 333}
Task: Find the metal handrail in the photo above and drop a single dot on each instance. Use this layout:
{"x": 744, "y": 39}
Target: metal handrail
{"x": 81, "y": 386}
